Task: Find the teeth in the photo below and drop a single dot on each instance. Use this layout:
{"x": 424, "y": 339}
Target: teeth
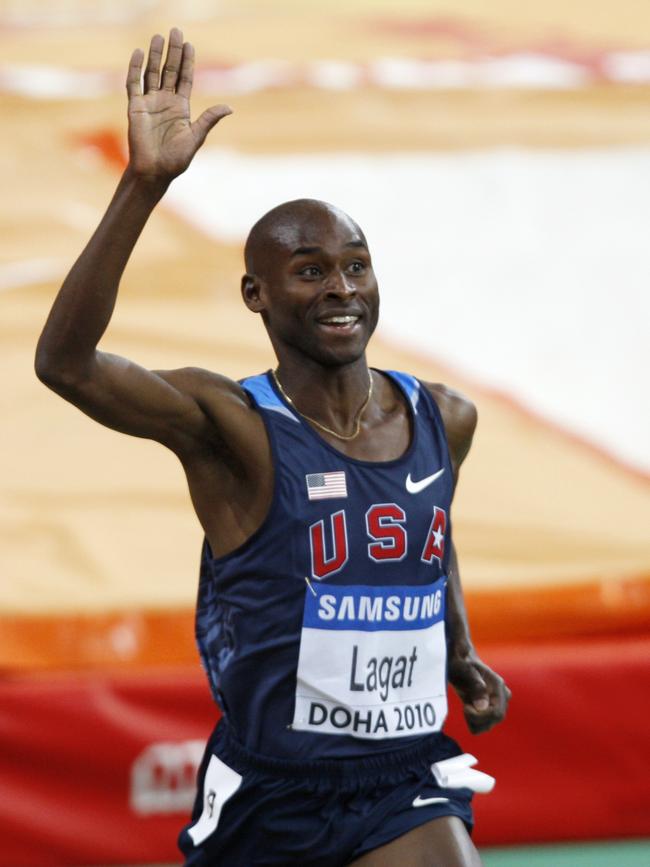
{"x": 340, "y": 320}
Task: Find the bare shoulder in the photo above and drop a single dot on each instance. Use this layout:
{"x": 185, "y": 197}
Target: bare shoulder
{"x": 205, "y": 385}
{"x": 228, "y": 462}
{"x": 460, "y": 418}
{"x": 223, "y": 403}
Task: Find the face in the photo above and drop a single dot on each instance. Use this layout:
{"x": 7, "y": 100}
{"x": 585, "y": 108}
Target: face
{"x": 317, "y": 291}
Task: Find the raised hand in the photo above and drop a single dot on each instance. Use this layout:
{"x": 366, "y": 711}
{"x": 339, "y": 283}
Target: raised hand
{"x": 162, "y": 139}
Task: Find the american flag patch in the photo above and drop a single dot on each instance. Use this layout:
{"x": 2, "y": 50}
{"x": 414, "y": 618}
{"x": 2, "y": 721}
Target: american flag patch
{"x": 323, "y": 486}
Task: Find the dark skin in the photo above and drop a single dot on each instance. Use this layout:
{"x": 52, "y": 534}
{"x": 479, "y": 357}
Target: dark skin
{"x": 306, "y": 263}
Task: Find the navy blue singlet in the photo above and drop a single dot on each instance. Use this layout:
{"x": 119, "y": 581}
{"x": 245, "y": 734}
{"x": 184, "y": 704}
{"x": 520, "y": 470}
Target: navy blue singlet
{"x": 323, "y": 635}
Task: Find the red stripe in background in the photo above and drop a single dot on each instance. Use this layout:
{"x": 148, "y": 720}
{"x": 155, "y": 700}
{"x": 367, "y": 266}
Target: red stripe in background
{"x": 569, "y": 759}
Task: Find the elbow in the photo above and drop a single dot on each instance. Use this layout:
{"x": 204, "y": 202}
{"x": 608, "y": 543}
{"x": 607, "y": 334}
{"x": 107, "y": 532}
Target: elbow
{"x": 53, "y": 373}
{"x": 43, "y": 368}
{"x": 49, "y": 375}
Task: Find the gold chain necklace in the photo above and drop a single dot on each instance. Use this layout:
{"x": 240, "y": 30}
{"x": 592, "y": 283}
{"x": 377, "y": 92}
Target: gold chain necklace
{"x": 357, "y": 425}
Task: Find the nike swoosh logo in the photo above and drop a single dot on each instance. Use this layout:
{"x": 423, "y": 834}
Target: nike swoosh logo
{"x": 423, "y": 802}
{"x": 415, "y": 487}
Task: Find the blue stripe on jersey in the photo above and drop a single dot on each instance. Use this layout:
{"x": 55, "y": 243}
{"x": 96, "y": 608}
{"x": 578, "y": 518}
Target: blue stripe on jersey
{"x": 369, "y": 608}
{"x": 261, "y": 389}
{"x": 410, "y": 385}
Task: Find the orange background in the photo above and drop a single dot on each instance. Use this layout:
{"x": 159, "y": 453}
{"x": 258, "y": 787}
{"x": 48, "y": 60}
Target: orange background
{"x": 99, "y": 546}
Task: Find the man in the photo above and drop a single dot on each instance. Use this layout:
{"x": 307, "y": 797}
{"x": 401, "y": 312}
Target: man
{"x": 330, "y": 610}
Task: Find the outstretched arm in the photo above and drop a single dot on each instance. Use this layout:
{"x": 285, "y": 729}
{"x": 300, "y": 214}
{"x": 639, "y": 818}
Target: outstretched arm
{"x": 162, "y": 143}
{"x": 483, "y": 692}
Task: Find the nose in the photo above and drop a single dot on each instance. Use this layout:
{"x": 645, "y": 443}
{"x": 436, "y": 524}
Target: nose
{"x": 337, "y": 285}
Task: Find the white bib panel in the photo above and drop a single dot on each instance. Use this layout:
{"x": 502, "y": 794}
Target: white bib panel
{"x": 372, "y": 661}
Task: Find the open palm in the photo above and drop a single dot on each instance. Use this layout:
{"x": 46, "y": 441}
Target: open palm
{"x": 162, "y": 138}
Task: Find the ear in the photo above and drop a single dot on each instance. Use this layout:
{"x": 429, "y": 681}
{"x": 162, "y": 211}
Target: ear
{"x": 251, "y": 291}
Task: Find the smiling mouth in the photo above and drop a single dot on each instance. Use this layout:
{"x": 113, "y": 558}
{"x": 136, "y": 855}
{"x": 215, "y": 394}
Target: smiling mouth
{"x": 339, "y": 322}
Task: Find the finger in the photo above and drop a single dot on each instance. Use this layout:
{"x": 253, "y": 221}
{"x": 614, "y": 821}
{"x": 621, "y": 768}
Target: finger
{"x": 497, "y": 688}
{"x": 134, "y": 74}
{"x": 479, "y": 723}
{"x": 498, "y": 692}
{"x": 500, "y": 698}
{"x": 152, "y": 72}
{"x": 210, "y": 117}
{"x": 173, "y": 60}
{"x": 482, "y": 720}
{"x": 186, "y": 74}
{"x": 479, "y": 716}
{"x": 471, "y": 687}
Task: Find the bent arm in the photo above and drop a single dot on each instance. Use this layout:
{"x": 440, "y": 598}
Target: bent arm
{"x": 460, "y": 419}
{"x": 483, "y": 692}
{"x": 162, "y": 143}
{"x": 460, "y": 642}
{"x": 111, "y": 389}
{"x": 85, "y": 302}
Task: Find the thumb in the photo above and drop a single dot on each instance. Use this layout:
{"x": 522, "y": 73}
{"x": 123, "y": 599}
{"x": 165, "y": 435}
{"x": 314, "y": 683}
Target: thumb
{"x": 210, "y": 117}
{"x": 473, "y": 689}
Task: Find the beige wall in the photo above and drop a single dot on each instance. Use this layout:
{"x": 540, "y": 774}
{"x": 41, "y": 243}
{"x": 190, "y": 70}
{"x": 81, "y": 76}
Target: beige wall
{"x": 93, "y": 521}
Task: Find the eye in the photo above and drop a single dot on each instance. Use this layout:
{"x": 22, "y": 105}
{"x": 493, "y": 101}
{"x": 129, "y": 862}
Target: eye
{"x": 357, "y": 267}
{"x": 310, "y": 271}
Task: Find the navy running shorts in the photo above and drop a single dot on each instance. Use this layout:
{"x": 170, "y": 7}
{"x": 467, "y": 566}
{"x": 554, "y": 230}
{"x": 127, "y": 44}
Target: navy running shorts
{"x": 252, "y": 810}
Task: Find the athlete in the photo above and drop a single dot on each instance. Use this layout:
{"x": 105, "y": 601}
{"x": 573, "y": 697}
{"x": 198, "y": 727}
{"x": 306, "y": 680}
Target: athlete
{"x": 330, "y": 612}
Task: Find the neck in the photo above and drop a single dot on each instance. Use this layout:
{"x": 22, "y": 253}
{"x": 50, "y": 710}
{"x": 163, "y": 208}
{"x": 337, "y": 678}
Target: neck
{"x": 335, "y": 397}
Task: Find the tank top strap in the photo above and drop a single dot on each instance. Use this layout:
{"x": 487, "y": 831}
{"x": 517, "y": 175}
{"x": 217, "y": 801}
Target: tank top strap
{"x": 426, "y": 412}
{"x": 264, "y": 397}
{"x": 409, "y": 385}
{"x": 282, "y": 420}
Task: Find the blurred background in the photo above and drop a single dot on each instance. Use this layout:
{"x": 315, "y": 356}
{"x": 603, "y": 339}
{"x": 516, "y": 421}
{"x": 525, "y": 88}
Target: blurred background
{"x": 498, "y": 157}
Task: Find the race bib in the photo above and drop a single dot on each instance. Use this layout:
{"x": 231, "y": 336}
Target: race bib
{"x": 372, "y": 661}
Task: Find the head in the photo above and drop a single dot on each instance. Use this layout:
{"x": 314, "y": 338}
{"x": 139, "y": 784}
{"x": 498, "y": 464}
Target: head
{"x": 309, "y": 275}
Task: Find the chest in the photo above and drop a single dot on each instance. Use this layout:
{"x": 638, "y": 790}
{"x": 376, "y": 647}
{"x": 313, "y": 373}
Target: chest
{"x": 341, "y": 519}
{"x": 385, "y": 440}
{"x": 352, "y": 524}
